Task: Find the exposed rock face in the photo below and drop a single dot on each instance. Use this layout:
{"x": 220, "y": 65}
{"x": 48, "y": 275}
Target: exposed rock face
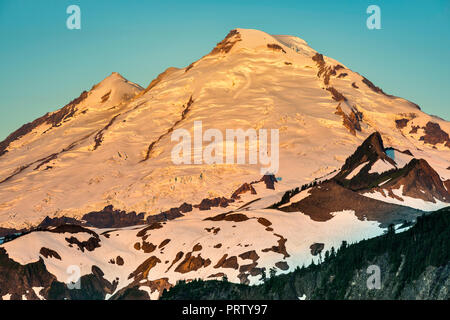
{"x": 163, "y": 243}
{"x": 170, "y": 214}
{"x": 435, "y": 135}
{"x": 331, "y": 197}
{"x": 234, "y": 217}
{"x": 352, "y": 121}
{"x": 71, "y": 228}
{"x": 251, "y": 255}
{"x": 151, "y": 146}
{"x": 22, "y": 279}
{"x": 275, "y": 47}
{"x": 325, "y": 71}
{"x": 419, "y": 181}
{"x": 246, "y": 187}
{"x": 376, "y": 89}
{"x": 153, "y": 226}
{"x": 148, "y": 247}
{"x": 120, "y": 261}
{"x": 192, "y": 263}
{"x": 177, "y": 258}
{"x": 217, "y": 275}
{"x": 282, "y": 265}
{"x": 264, "y": 222}
{"x": 49, "y": 253}
{"x": 316, "y": 248}
{"x": 401, "y": 123}
{"x": 57, "y": 221}
{"x": 110, "y": 218}
{"x": 225, "y": 262}
{"x": 142, "y": 271}
{"x": 89, "y": 245}
{"x": 280, "y": 248}
{"x": 269, "y": 180}
{"x": 226, "y": 44}
{"x": 10, "y": 232}
{"x": 336, "y": 95}
{"x": 369, "y": 152}
{"x": 106, "y": 218}
{"x": 206, "y": 204}
{"x": 134, "y": 292}
{"x": 414, "y": 129}
{"x": 447, "y": 185}
{"x": 99, "y": 136}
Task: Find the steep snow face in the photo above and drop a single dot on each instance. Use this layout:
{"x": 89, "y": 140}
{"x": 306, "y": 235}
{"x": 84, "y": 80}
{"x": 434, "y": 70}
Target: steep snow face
{"x": 116, "y": 150}
{"x": 381, "y": 166}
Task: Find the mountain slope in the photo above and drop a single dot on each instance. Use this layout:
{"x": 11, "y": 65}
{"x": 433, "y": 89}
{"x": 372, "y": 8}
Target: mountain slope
{"x": 120, "y": 148}
{"x": 93, "y": 185}
{"x": 258, "y": 228}
{"x": 414, "y": 265}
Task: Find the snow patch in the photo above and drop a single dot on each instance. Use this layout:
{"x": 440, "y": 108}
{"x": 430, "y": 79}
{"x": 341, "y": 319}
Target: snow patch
{"x": 381, "y": 166}
{"x": 407, "y": 201}
{"x": 356, "y": 170}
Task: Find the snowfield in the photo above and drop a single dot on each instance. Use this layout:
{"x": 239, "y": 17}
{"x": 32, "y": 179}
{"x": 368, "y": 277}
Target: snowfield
{"x": 252, "y": 86}
{"x": 112, "y": 147}
{"x": 190, "y": 231}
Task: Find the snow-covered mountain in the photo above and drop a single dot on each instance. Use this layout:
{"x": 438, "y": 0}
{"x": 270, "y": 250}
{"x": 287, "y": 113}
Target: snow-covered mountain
{"x": 353, "y": 159}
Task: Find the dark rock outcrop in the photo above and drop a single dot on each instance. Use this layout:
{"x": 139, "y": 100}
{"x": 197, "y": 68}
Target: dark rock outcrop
{"x": 275, "y": 47}
{"x": 401, "y": 123}
{"x": 110, "y": 218}
{"x": 54, "y": 119}
{"x": 227, "y": 44}
{"x": 371, "y": 150}
{"x": 435, "y": 135}
{"x": 269, "y": 180}
{"x": 192, "y": 263}
{"x": 207, "y": 204}
{"x": 246, "y": 187}
{"x": 225, "y": 262}
{"x": 18, "y": 281}
{"x": 336, "y": 95}
{"x": 282, "y": 265}
{"x": 352, "y": 121}
{"x": 280, "y": 248}
{"x": 170, "y": 214}
{"x": 144, "y": 268}
{"x": 316, "y": 248}
{"x": 418, "y": 180}
{"x": 49, "y": 253}
{"x": 57, "y": 221}
{"x": 331, "y": 197}
{"x": 234, "y": 217}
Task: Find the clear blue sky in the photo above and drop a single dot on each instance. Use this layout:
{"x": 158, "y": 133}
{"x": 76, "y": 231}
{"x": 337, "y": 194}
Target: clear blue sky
{"x": 44, "y": 65}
